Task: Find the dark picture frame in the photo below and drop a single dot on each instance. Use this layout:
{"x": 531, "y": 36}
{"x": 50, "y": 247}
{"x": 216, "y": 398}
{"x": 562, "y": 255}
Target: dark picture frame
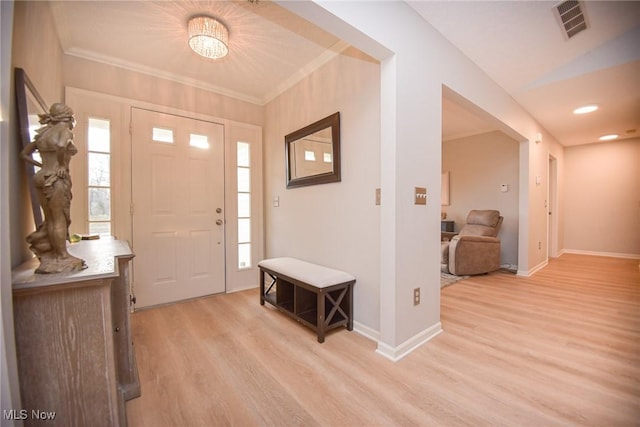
{"x": 329, "y": 125}
{"x": 29, "y": 105}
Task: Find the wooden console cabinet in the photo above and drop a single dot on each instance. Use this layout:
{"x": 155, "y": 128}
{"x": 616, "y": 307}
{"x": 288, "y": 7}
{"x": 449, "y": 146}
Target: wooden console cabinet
{"x": 73, "y": 338}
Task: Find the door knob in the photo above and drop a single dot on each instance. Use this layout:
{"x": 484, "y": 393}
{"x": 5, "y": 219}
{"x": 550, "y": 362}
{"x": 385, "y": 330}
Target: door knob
{"x": 219, "y": 222}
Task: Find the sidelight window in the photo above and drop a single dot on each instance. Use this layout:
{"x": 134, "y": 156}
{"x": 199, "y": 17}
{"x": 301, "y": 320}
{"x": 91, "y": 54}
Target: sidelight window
{"x": 244, "y": 205}
{"x": 99, "y": 176}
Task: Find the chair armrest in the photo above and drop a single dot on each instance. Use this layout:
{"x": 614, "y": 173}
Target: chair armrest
{"x": 479, "y": 239}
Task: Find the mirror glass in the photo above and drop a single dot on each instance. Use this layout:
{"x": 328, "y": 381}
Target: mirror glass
{"x": 313, "y": 153}
{"x": 30, "y": 104}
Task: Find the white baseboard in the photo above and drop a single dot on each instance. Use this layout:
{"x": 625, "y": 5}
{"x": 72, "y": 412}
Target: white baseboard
{"x": 366, "y": 331}
{"x": 230, "y": 291}
{"x": 527, "y": 273}
{"x": 598, "y": 253}
{"x": 396, "y": 353}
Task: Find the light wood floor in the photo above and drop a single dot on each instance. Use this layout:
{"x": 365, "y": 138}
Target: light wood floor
{"x": 559, "y": 348}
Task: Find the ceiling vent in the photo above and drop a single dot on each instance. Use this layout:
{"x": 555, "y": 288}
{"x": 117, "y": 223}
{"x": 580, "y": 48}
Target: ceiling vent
{"x": 572, "y": 17}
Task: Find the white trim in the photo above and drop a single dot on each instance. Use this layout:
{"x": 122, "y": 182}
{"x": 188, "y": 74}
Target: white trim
{"x": 233, "y": 277}
{"x": 461, "y": 135}
{"x": 335, "y": 50}
{"x": 599, "y": 253}
{"x": 131, "y": 66}
{"x": 304, "y": 71}
{"x": 396, "y": 353}
{"x": 530, "y": 272}
{"x": 156, "y": 107}
{"x": 366, "y": 331}
{"x": 240, "y": 289}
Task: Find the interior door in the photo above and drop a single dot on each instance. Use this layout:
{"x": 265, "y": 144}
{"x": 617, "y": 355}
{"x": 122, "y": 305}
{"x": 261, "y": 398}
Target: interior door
{"x": 178, "y": 207}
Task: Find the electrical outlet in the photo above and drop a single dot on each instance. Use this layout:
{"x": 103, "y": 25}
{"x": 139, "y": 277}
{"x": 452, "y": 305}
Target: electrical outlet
{"x": 539, "y": 245}
{"x": 416, "y": 296}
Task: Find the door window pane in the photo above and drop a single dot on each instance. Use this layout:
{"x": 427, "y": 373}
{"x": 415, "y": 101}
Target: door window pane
{"x": 101, "y": 228}
{"x": 162, "y": 135}
{"x": 99, "y": 169}
{"x": 99, "y": 204}
{"x": 243, "y": 154}
{"x": 244, "y": 255}
{"x": 244, "y": 183}
{"x": 244, "y": 230}
{"x": 199, "y": 141}
{"x": 244, "y": 205}
{"x": 99, "y": 135}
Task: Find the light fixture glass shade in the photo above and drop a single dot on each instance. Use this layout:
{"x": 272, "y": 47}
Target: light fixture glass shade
{"x": 208, "y": 37}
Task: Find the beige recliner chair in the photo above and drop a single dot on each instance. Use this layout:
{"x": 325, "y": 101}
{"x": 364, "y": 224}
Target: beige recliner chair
{"x": 476, "y": 249}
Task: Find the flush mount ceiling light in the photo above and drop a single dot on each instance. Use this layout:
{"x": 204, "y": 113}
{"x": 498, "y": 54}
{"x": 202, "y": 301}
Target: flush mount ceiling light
{"x": 208, "y": 37}
{"x": 585, "y": 109}
{"x": 609, "y": 137}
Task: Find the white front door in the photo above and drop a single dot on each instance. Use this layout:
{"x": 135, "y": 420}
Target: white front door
{"x": 178, "y": 207}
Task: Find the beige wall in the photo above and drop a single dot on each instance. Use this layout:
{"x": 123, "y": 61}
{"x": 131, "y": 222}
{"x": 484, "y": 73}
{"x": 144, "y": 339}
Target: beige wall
{"x": 97, "y": 77}
{"x": 35, "y": 49}
{"x": 602, "y": 198}
{"x": 478, "y": 165}
{"x": 334, "y": 224}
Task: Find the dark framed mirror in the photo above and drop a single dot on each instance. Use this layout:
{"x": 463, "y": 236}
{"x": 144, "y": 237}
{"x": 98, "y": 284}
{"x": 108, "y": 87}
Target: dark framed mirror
{"x": 30, "y": 104}
{"x": 313, "y": 153}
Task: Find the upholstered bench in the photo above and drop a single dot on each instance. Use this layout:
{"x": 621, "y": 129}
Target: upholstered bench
{"x": 316, "y": 296}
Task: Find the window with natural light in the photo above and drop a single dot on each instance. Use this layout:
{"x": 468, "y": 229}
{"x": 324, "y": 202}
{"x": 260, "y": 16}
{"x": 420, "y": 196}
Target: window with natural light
{"x": 162, "y": 135}
{"x": 199, "y": 141}
{"x": 99, "y": 176}
{"x": 309, "y": 156}
{"x": 244, "y": 205}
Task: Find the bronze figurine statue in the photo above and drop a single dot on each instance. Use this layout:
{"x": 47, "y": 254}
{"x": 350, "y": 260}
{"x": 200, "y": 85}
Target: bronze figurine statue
{"x": 54, "y": 142}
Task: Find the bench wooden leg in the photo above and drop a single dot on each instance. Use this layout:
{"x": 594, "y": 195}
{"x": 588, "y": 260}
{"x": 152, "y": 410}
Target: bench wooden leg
{"x": 261, "y": 287}
{"x": 350, "y": 305}
{"x": 320, "y": 317}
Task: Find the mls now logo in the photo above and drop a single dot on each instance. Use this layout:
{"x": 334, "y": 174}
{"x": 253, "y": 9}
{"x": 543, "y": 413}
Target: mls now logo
{"x": 23, "y": 414}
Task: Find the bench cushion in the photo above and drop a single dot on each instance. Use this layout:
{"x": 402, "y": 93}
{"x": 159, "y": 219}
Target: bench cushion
{"x": 306, "y": 272}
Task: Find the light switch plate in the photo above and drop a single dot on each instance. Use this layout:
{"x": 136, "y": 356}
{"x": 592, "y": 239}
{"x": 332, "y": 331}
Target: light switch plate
{"x": 421, "y": 196}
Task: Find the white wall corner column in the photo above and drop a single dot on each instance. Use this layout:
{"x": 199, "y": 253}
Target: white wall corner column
{"x": 410, "y": 157}
{"x": 409, "y": 258}
{"x": 523, "y": 208}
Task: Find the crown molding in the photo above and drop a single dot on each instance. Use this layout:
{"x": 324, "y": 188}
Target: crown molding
{"x": 333, "y": 51}
{"x": 154, "y": 72}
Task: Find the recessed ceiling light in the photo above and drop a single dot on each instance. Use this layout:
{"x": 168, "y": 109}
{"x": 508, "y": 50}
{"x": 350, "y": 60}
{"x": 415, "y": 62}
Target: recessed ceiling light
{"x": 608, "y": 137}
{"x": 585, "y": 109}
